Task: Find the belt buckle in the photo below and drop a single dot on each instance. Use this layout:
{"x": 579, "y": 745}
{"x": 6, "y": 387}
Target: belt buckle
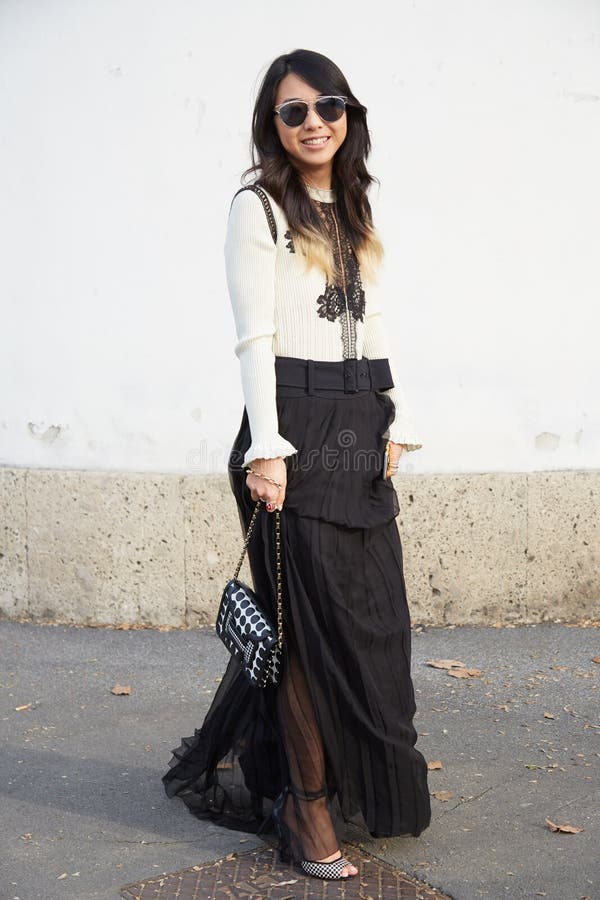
{"x": 350, "y": 376}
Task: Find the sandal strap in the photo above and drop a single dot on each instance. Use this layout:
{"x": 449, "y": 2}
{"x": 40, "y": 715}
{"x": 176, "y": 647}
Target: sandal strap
{"x": 331, "y": 869}
{"x": 308, "y": 795}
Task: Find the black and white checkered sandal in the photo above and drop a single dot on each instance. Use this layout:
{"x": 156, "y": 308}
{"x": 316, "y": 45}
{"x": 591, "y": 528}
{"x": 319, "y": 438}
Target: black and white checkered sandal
{"x": 328, "y": 870}
{"x": 332, "y": 870}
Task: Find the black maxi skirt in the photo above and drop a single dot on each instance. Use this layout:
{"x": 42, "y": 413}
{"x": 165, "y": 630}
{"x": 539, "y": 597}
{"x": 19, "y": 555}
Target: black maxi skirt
{"x": 345, "y": 615}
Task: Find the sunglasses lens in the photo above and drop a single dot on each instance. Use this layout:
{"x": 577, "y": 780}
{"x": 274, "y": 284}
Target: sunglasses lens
{"x": 293, "y": 114}
{"x": 330, "y": 108}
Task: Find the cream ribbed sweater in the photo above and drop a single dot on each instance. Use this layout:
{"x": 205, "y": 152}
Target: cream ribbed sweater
{"x": 281, "y": 310}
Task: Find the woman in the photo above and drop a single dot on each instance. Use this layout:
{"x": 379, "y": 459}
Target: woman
{"x": 334, "y": 743}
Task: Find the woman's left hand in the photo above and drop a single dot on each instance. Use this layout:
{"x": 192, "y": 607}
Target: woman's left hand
{"x": 394, "y": 454}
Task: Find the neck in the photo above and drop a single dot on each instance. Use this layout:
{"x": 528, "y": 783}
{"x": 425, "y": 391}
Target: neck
{"x": 319, "y": 178}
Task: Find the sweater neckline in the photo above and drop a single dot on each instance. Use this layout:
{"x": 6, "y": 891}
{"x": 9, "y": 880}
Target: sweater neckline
{"x": 320, "y": 194}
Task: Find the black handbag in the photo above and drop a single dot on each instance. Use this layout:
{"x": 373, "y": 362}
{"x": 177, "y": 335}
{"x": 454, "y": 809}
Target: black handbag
{"x": 245, "y": 629}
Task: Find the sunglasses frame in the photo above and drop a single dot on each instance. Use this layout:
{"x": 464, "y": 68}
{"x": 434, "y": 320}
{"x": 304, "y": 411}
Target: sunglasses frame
{"x": 311, "y": 104}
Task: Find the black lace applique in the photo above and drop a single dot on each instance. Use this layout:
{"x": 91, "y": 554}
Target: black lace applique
{"x": 290, "y": 241}
{"x": 332, "y": 304}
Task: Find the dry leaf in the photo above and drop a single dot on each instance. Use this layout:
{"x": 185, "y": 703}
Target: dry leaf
{"x": 121, "y": 690}
{"x": 464, "y": 673}
{"x": 442, "y": 795}
{"x": 21, "y": 708}
{"x": 563, "y": 829}
{"x": 437, "y": 764}
{"x": 548, "y": 715}
{"x": 445, "y": 663}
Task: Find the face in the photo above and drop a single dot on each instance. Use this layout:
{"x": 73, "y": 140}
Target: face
{"x": 313, "y": 144}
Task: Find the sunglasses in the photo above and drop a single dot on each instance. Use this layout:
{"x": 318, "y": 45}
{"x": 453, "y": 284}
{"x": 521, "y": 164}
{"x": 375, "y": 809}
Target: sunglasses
{"x": 293, "y": 112}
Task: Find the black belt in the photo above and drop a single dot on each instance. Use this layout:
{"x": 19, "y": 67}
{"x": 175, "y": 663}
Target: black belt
{"x": 296, "y": 376}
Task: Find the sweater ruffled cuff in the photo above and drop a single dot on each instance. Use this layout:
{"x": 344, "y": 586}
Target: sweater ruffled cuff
{"x": 403, "y": 434}
{"x": 279, "y": 446}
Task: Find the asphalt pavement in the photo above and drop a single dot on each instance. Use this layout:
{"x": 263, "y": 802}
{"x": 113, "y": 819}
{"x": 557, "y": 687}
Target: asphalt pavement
{"x": 84, "y": 811}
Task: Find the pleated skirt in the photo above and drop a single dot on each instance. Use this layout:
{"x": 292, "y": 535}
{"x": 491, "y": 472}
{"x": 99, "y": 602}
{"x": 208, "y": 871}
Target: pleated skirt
{"x": 345, "y": 608}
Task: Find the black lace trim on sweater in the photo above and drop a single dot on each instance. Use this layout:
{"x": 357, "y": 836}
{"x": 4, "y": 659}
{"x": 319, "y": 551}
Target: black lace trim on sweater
{"x": 290, "y": 241}
{"x": 333, "y": 304}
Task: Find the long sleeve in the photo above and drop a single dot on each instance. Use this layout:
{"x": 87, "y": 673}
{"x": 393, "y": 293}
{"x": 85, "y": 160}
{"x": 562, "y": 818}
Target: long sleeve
{"x": 250, "y": 268}
{"x": 376, "y": 346}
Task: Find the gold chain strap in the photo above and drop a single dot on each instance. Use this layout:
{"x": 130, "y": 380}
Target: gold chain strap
{"x": 239, "y": 566}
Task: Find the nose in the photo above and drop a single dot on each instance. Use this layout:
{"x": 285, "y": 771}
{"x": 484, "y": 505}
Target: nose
{"x": 312, "y": 119}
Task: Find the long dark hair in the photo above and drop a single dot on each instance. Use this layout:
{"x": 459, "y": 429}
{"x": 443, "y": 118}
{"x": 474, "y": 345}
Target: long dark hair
{"x": 350, "y": 177}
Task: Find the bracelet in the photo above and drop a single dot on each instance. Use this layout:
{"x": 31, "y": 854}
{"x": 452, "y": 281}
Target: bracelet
{"x": 251, "y": 471}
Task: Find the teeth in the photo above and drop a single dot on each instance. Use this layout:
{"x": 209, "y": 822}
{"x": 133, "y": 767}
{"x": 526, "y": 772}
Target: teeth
{"x": 316, "y": 141}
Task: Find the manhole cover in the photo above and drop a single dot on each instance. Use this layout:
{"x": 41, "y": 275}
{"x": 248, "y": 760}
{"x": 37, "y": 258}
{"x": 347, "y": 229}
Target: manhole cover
{"x": 258, "y": 874}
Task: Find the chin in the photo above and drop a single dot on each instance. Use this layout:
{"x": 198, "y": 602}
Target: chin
{"x": 317, "y": 159}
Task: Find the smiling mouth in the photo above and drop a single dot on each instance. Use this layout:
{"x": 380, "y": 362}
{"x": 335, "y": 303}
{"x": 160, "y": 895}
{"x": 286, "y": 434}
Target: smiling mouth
{"x": 315, "y": 142}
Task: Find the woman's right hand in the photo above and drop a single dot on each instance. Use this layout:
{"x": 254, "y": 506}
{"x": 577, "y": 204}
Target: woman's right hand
{"x": 261, "y": 489}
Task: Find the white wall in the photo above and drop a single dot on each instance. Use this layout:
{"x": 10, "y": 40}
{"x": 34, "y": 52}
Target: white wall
{"x": 124, "y": 129}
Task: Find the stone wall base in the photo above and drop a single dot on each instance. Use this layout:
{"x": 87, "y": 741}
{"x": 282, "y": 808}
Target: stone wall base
{"x": 97, "y": 548}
